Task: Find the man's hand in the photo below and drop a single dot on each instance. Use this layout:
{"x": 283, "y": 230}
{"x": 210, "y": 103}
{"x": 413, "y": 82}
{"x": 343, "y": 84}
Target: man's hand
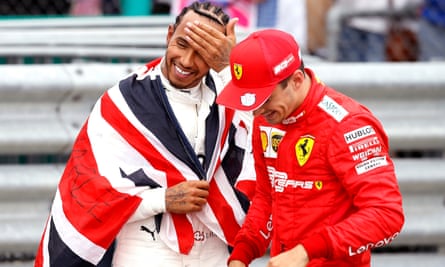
{"x": 296, "y": 257}
{"x": 185, "y": 197}
{"x": 236, "y": 263}
{"x": 211, "y": 44}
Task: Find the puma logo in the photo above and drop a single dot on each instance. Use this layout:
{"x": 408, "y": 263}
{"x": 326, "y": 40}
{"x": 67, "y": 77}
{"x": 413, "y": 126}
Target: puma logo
{"x": 145, "y": 229}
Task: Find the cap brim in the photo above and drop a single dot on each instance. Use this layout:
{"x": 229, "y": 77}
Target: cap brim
{"x": 246, "y": 99}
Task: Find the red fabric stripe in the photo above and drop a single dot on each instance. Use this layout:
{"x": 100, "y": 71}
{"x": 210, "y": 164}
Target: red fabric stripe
{"x": 120, "y": 123}
{"x": 218, "y": 203}
{"x": 247, "y": 187}
{"x": 229, "y": 113}
{"x": 153, "y": 63}
{"x": 223, "y": 212}
{"x": 89, "y": 200}
{"x": 184, "y": 232}
{"x": 38, "y": 262}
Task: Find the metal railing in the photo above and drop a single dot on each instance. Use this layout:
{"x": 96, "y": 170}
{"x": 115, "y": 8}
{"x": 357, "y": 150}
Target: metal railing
{"x": 85, "y": 39}
{"x": 43, "y": 106}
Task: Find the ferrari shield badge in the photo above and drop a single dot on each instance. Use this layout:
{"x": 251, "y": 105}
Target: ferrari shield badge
{"x": 238, "y": 71}
{"x": 303, "y": 149}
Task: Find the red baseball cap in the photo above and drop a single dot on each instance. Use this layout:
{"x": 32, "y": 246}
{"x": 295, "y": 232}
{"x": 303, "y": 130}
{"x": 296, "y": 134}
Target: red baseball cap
{"x": 257, "y": 65}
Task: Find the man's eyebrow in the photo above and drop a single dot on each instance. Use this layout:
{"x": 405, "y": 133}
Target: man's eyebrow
{"x": 181, "y": 39}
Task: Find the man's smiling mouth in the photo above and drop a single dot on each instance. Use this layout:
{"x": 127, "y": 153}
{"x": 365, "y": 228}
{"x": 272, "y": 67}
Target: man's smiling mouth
{"x": 182, "y": 72}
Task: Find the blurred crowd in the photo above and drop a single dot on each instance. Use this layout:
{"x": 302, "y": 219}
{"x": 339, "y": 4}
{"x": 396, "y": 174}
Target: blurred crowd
{"x": 378, "y": 30}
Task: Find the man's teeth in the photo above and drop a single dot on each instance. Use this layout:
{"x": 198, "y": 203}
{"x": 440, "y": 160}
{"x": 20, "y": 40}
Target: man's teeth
{"x": 181, "y": 71}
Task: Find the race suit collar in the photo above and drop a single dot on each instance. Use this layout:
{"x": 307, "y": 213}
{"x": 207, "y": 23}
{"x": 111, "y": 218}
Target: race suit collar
{"x": 314, "y": 95}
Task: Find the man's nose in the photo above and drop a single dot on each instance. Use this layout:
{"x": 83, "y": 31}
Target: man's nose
{"x": 187, "y": 58}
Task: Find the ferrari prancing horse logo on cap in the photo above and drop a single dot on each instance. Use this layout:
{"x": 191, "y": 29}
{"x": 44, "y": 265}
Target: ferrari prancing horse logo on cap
{"x": 303, "y": 149}
{"x": 238, "y": 71}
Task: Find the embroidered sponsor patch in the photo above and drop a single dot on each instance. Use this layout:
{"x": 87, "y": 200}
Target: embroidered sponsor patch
{"x": 276, "y": 140}
{"x": 363, "y": 155}
{"x": 366, "y": 148}
{"x": 238, "y": 71}
{"x": 319, "y": 185}
{"x": 201, "y": 236}
{"x": 358, "y": 134}
{"x": 283, "y": 64}
{"x": 280, "y": 181}
{"x": 364, "y": 144}
{"x": 293, "y": 119}
{"x": 248, "y": 99}
{"x": 270, "y": 140}
{"x": 370, "y": 164}
{"x": 332, "y": 108}
{"x": 303, "y": 149}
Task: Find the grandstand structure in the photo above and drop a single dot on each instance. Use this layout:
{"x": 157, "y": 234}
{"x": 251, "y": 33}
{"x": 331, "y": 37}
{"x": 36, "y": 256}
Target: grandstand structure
{"x": 53, "y": 71}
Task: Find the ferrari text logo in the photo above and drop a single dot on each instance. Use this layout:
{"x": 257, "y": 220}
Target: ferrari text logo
{"x": 303, "y": 149}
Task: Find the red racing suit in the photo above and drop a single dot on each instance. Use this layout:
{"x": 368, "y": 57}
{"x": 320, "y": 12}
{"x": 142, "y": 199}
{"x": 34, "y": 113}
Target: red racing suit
{"x": 324, "y": 180}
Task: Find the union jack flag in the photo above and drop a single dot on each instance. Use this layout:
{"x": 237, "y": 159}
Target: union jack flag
{"x": 130, "y": 143}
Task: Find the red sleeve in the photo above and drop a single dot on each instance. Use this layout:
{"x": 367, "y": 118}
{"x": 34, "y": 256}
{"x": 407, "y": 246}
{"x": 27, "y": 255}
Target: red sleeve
{"x": 359, "y": 156}
{"x": 253, "y": 239}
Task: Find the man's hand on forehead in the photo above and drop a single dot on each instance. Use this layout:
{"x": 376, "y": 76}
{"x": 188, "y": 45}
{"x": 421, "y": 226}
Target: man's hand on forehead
{"x": 211, "y": 43}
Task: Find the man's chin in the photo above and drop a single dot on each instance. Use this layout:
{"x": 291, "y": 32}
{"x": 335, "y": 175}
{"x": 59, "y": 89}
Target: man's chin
{"x": 182, "y": 84}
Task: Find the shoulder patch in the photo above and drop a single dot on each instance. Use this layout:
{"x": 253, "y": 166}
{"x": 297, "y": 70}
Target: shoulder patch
{"x": 332, "y": 108}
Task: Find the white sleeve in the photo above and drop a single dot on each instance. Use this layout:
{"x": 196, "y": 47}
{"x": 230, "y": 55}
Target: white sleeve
{"x": 221, "y": 78}
{"x": 243, "y": 120}
{"x": 153, "y": 203}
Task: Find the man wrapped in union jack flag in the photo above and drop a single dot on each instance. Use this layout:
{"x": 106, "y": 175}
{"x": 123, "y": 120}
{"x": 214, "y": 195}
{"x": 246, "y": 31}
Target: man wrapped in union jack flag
{"x": 159, "y": 175}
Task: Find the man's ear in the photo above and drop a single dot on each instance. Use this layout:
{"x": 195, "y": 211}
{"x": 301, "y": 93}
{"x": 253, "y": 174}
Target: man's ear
{"x": 298, "y": 78}
{"x": 171, "y": 31}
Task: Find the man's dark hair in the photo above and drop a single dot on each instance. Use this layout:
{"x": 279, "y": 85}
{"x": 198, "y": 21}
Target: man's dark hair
{"x": 205, "y": 9}
{"x": 284, "y": 82}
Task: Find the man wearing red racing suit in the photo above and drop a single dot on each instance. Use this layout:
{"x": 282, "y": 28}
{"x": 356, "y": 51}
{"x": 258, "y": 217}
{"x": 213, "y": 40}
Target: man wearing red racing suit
{"x": 326, "y": 187}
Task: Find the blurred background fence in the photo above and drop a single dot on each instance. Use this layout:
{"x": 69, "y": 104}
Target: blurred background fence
{"x": 55, "y": 61}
